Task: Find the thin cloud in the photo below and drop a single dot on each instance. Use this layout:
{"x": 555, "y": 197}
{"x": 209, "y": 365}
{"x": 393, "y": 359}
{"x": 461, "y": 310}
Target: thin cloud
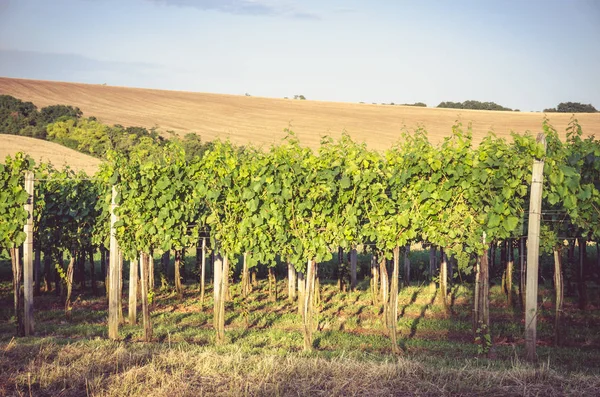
{"x": 227, "y": 6}
{"x": 305, "y": 15}
{"x": 241, "y": 7}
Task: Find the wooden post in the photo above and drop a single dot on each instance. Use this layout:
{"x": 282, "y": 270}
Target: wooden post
{"x": 37, "y": 270}
{"x": 374, "y": 280}
{"x": 144, "y": 265}
{"x": 522, "y": 271}
{"x": 432, "y": 258}
{"x": 533, "y": 254}
{"x": 47, "y": 271}
{"x": 203, "y": 271}
{"x": 509, "y": 272}
{"x": 177, "y": 273}
{"x": 308, "y": 305}
{"x": 559, "y": 295}
{"x": 28, "y": 256}
{"x": 353, "y": 266}
{"x": 246, "y": 277}
{"x": 291, "y": 282}
{"x": 17, "y": 276}
{"x": 581, "y": 287}
{"x": 133, "y": 281}
{"x": 120, "y": 276}
{"x": 301, "y": 293}
{"x": 407, "y": 266}
{"x": 385, "y": 288}
{"x": 165, "y": 261}
{"x": 272, "y": 285}
{"x": 219, "y": 299}
{"x": 393, "y": 302}
{"x": 444, "y": 278}
{"x": 151, "y": 281}
{"x": 113, "y": 274}
{"x": 93, "y": 271}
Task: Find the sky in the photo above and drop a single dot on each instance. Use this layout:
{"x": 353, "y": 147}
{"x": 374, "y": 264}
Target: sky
{"x": 525, "y": 54}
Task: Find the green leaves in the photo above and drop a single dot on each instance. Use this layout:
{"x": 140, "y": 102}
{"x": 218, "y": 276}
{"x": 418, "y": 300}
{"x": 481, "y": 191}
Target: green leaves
{"x": 296, "y": 204}
{"x": 12, "y": 213}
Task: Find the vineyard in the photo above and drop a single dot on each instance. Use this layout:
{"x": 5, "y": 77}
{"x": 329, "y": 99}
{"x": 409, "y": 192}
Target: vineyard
{"x": 453, "y": 225}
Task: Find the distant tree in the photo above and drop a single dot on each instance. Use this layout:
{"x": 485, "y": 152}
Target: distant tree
{"x": 16, "y": 115}
{"x": 474, "y": 105}
{"x": 25, "y": 109}
{"x": 34, "y": 131}
{"x": 301, "y": 97}
{"x": 417, "y": 104}
{"x": 53, "y": 113}
{"x": 572, "y": 107}
{"x": 86, "y": 136}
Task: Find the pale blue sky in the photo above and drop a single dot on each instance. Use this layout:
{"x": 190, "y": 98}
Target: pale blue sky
{"x": 521, "y": 54}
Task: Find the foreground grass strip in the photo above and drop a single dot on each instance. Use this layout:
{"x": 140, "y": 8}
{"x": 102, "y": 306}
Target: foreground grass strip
{"x": 97, "y": 367}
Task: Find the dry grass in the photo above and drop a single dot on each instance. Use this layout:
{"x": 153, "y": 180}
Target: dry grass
{"x": 261, "y": 120}
{"x": 118, "y": 369}
{"x": 46, "y": 151}
{"x": 264, "y": 358}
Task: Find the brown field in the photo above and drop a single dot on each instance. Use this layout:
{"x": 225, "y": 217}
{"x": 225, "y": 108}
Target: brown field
{"x": 46, "y": 151}
{"x": 261, "y": 121}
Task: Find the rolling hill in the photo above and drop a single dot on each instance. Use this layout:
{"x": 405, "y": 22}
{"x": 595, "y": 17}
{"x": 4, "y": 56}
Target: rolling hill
{"x": 261, "y": 121}
{"x": 46, "y": 151}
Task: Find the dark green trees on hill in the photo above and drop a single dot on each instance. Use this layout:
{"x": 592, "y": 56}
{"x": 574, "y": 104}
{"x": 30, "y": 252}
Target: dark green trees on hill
{"x": 572, "y": 107}
{"x": 474, "y": 105}
{"x": 23, "y": 118}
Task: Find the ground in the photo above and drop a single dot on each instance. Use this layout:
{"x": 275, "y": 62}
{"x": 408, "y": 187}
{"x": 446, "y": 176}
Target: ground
{"x": 263, "y": 353}
{"x": 45, "y": 151}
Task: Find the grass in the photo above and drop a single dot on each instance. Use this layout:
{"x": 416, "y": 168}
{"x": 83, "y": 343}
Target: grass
{"x": 263, "y": 354}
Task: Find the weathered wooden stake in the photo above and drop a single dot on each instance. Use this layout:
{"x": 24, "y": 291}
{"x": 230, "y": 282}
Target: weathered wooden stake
{"x": 374, "y": 280}
{"x": 28, "y": 256}
{"x": 246, "y": 277}
{"x": 559, "y": 295}
{"x": 120, "y": 276}
{"x": 177, "y": 273}
{"x": 407, "y": 266}
{"x": 291, "y": 282}
{"x": 308, "y": 305}
{"x": 219, "y": 299}
{"x": 385, "y": 289}
{"x": 444, "y": 279}
{"x": 393, "y": 303}
{"x": 37, "y": 270}
{"x": 353, "y": 266}
{"x": 203, "y": 271}
{"x": 533, "y": 254}
{"x": 301, "y": 293}
{"x": 133, "y": 281}
{"x": 113, "y": 274}
{"x": 144, "y": 265}
{"x": 432, "y": 261}
{"x": 17, "y": 276}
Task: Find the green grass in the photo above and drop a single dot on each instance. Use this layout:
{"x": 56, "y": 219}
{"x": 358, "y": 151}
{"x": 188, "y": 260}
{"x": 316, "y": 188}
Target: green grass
{"x": 263, "y": 354}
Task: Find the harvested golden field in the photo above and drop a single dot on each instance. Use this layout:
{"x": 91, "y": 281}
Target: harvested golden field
{"x": 46, "y": 151}
{"x": 261, "y": 121}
